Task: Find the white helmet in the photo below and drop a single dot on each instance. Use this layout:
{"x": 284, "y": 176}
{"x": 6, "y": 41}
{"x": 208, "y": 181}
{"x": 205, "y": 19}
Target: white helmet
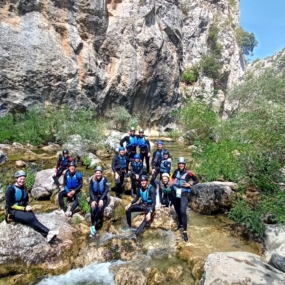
{"x": 181, "y": 160}
{"x": 20, "y": 173}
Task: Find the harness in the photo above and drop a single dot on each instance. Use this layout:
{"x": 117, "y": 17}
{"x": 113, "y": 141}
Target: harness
{"x": 141, "y": 142}
{"x": 133, "y": 142}
{"x": 136, "y": 166}
{"x": 123, "y": 161}
{"x": 64, "y": 162}
{"x": 98, "y": 187}
{"x": 145, "y": 195}
{"x": 179, "y": 180}
{"x": 165, "y": 166}
{"x": 20, "y": 195}
{"x": 72, "y": 181}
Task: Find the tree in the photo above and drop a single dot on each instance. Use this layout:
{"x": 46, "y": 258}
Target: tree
{"x": 246, "y": 40}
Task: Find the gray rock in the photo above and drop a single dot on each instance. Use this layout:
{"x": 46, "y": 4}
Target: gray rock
{"x": 277, "y": 261}
{"x": 94, "y": 160}
{"x": 239, "y": 268}
{"x": 77, "y": 146}
{"x": 111, "y": 207}
{"x": 209, "y": 198}
{"x": 3, "y": 157}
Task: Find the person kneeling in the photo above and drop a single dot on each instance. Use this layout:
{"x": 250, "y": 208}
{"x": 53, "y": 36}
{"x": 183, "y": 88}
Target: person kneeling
{"x": 98, "y": 190}
{"x": 165, "y": 191}
{"x": 147, "y": 196}
{"x": 72, "y": 182}
{"x": 18, "y": 209}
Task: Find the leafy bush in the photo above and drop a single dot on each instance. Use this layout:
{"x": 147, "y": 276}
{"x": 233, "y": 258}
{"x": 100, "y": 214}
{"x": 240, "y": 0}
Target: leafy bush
{"x": 211, "y": 66}
{"x": 30, "y": 179}
{"x": 246, "y": 40}
{"x": 83, "y": 204}
{"x": 190, "y": 75}
{"x": 174, "y": 134}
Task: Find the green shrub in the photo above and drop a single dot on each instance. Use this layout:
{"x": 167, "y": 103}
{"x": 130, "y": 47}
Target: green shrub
{"x": 30, "y": 179}
{"x": 86, "y": 161}
{"x": 246, "y": 40}
{"x": 190, "y": 75}
{"x": 83, "y": 204}
{"x": 211, "y": 66}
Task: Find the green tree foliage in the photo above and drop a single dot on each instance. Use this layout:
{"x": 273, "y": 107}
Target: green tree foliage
{"x": 211, "y": 66}
{"x": 246, "y": 40}
{"x": 190, "y": 75}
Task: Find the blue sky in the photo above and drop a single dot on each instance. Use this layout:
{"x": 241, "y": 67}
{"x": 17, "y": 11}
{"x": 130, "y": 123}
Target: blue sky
{"x": 266, "y": 19}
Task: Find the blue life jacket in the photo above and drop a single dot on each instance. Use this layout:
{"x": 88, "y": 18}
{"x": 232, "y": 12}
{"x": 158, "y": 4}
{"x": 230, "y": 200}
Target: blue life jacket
{"x": 72, "y": 181}
{"x": 165, "y": 166}
{"x": 159, "y": 156}
{"x": 179, "y": 180}
{"x": 141, "y": 141}
{"x": 136, "y": 167}
{"x": 133, "y": 142}
{"x": 98, "y": 187}
{"x": 20, "y": 195}
{"x": 123, "y": 161}
{"x": 145, "y": 195}
{"x": 64, "y": 162}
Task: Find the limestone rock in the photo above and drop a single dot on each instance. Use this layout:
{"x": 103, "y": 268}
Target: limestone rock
{"x": 209, "y": 198}
{"x": 239, "y": 268}
{"x": 277, "y": 261}
{"x": 174, "y": 272}
{"x": 30, "y": 156}
{"x": 155, "y": 277}
{"x": 129, "y": 276}
{"x": 94, "y": 160}
{"x": 20, "y": 163}
{"x": 3, "y": 157}
{"x": 23, "y": 249}
{"x": 111, "y": 207}
{"x": 77, "y": 146}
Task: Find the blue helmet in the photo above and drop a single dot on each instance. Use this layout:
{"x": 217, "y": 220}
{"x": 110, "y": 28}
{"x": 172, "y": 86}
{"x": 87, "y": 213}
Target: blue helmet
{"x": 137, "y": 156}
{"x": 121, "y": 148}
{"x": 160, "y": 142}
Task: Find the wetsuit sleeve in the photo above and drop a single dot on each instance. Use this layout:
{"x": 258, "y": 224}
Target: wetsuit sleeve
{"x": 141, "y": 171}
{"x": 80, "y": 183}
{"x": 153, "y": 160}
{"x": 124, "y": 139}
{"x": 106, "y": 189}
{"x": 148, "y": 145}
{"x": 114, "y": 164}
{"x": 10, "y": 200}
{"x": 137, "y": 197}
{"x": 191, "y": 176}
{"x": 91, "y": 193}
{"x": 153, "y": 198}
{"x": 160, "y": 191}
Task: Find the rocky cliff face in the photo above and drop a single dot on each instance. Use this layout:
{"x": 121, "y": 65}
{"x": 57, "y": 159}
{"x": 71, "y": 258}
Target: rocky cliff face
{"x": 101, "y": 54}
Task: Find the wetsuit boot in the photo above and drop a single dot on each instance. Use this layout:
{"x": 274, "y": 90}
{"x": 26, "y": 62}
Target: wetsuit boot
{"x": 185, "y": 236}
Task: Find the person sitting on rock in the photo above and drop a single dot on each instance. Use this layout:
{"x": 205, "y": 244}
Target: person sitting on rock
{"x": 144, "y": 146}
{"x": 165, "y": 191}
{"x": 62, "y": 166}
{"x": 72, "y": 182}
{"x": 98, "y": 191}
{"x": 120, "y": 168}
{"x": 182, "y": 180}
{"x": 18, "y": 209}
{"x": 136, "y": 172}
{"x": 147, "y": 197}
{"x": 165, "y": 164}
{"x": 131, "y": 143}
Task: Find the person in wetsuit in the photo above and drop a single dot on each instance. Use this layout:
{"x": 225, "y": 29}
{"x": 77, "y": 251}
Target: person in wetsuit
{"x": 73, "y": 182}
{"x": 131, "y": 143}
{"x": 165, "y": 164}
{"x": 157, "y": 157}
{"x": 120, "y": 168}
{"x": 18, "y": 209}
{"x": 136, "y": 172}
{"x": 182, "y": 180}
{"x": 62, "y": 166}
{"x": 98, "y": 191}
{"x": 165, "y": 191}
{"x": 144, "y": 146}
{"x": 147, "y": 197}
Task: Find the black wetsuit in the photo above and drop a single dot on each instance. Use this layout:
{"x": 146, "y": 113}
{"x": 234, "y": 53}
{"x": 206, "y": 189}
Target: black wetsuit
{"x": 131, "y": 145}
{"x": 166, "y": 198}
{"x": 62, "y": 164}
{"x": 144, "y": 146}
{"x": 137, "y": 168}
{"x": 120, "y": 166}
{"x": 68, "y": 187}
{"x": 15, "y": 210}
{"x": 143, "y": 206}
{"x": 181, "y": 204}
{"x": 98, "y": 191}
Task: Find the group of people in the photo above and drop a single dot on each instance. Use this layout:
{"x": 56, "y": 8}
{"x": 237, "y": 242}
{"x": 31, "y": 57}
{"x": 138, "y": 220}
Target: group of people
{"x": 172, "y": 192}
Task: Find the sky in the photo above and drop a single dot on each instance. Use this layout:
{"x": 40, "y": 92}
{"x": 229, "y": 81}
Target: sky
{"x": 266, "y": 19}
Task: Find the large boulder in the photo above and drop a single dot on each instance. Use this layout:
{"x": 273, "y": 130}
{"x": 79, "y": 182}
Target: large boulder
{"x": 113, "y": 141}
{"x": 44, "y": 184}
{"x": 112, "y": 206}
{"x": 24, "y": 250}
{"x": 277, "y": 261}
{"x": 94, "y": 160}
{"x": 3, "y": 157}
{"x": 274, "y": 241}
{"x": 77, "y": 146}
{"x": 212, "y": 197}
{"x": 239, "y": 268}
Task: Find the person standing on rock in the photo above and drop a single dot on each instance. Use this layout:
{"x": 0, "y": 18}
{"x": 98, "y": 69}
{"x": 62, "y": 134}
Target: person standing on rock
{"x": 62, "y": 166}
{"x": 136, "y": 172}
{"x": 165, "y": 191}
{"x": 18, "y": 209}
{"x": 98, "y": 191}
{"x": 157, "y": 158}
{"x": 120, "y": 168}
{"x": 144, "y": 146}
{"x": 131, "y": 143}
{"x": 73, "y": 182}
{"x": 147, "y": 197}
{"x": 182, "y": 180}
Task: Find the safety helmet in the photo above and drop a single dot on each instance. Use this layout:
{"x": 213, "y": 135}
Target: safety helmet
{"x": 160, "y": 142}
{"x": 141, "y": 131}
{"x": 20, "y": 173}
{"x": 132, "y": 129}
{"x": 137, "y": 156}
{"x": 181, "y": 160}
{"x": 144, "y": 177}
{"x": 72, "y": 163}
{"x": 98, "y": 168}
{"x": 165, "y": 175}
{"x": 121, "y": 148}
{"x": 65, "y": 151}
{"x": 166, "y": 152}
